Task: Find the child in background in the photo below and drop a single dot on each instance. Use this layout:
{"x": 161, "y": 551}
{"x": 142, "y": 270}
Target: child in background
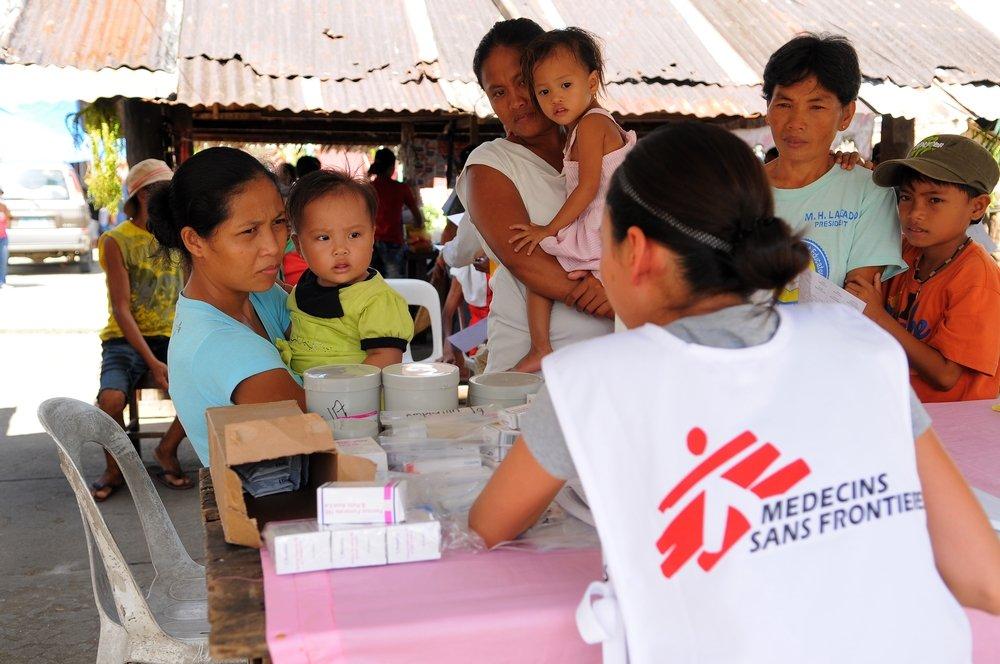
{"x": 564, "y": 71}
{"x": 342, "y": 312}
{"x": 850, "y": 225}
{"x": 945, "y": 311}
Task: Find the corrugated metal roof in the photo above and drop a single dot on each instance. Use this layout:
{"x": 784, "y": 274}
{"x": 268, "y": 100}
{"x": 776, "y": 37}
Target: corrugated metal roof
{"x": 703, "y": 101}
{"x": 205, "y": 82}
{"x": 458, "y": 27}
{"x": 697, "y": 57}
{"x": 909, "y": 43}
{"x": 641, "y": 38}
{"x": 981, "y": 100}
{"x": 95, "y": 34}
{"x": 321, "y": 38}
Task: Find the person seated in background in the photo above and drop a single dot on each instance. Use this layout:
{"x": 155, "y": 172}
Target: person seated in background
{"x": 143, "y": 284}
{"x": 342, "y": 311}
{"x": 811, "y": 86}
{"x": 466, "y": 265}
{"x": 945, "y": 310}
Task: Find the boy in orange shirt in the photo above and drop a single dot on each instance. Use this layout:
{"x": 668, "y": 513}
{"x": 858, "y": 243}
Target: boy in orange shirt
{"x": 945, "y": 310}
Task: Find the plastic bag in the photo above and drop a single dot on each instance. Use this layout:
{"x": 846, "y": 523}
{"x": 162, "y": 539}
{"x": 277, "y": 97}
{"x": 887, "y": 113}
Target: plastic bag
{"x": 449, "y": 497}
{"x": 430, "y": 455}
{"x": 464, "y": 423}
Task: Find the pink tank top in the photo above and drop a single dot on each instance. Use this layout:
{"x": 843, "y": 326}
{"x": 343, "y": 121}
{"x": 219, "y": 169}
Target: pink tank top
{"x": 578, "y": 246}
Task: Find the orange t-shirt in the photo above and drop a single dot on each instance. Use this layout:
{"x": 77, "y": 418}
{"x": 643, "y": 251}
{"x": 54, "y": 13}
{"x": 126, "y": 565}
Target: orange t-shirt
{"x": 957, "y": 312}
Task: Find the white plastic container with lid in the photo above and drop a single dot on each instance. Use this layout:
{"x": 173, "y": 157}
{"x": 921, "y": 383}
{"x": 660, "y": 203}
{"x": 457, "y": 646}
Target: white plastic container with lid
{"x": 503, "y": 388}
{"x": 421, "y": 387}
{"x": 347, "y": 396}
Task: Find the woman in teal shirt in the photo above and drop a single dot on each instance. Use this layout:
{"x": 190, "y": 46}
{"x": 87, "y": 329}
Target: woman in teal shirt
{"x": 224, "y": 213}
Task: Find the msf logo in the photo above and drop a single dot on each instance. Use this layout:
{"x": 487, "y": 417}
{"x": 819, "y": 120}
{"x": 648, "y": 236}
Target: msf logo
{"x": 748, "y": 476}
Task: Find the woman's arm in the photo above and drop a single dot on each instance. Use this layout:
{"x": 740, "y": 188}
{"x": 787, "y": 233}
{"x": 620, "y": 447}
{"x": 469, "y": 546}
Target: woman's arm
{"x": 966, "y": 550}
{"x": 411, "y": 202}
{"x": 495, "y": 205}
{"x": 268, "y": 386}
{"x": 120, "y": 295}
{"x": 515, "y": 497}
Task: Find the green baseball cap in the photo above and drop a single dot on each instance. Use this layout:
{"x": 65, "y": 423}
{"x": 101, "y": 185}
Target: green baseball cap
{"x": 947, "y": 158}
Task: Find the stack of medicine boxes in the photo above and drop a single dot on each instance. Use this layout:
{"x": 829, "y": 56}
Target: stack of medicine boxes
{"x": 357, "y": 524}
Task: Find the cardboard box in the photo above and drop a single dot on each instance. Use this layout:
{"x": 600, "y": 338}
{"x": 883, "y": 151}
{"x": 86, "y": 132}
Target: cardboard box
{"x": 256, "y": 432}
{"x": 361, "y": 502}
{"x": 306, "y": 546}
{"x": 366, "y": 448}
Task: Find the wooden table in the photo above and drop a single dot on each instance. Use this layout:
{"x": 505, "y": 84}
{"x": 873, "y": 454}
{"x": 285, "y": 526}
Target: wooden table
{"x": 235, "y": 588}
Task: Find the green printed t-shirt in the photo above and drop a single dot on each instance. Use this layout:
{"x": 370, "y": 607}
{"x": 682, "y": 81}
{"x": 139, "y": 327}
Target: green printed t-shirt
{"x": 153, "y": 282}
{"x": 849, "y": 222}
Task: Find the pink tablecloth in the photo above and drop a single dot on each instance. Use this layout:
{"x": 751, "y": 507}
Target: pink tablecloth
{"x": 515, "y": 606}
{"x": 970, "y": 430}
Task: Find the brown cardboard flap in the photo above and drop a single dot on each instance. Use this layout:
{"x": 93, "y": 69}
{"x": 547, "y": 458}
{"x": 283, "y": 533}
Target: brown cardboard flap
{"x": 257, "y": 440}
{"x": 257, "y": 432}
{"x": 355, "y": 469}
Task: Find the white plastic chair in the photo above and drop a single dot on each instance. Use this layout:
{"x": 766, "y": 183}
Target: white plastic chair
{"x": 422, "y": 294}
{"x": 169, "y": 624}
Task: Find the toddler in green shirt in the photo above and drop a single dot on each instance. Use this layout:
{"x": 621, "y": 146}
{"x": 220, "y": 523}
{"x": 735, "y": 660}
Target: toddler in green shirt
{"x": 342, "y": 311}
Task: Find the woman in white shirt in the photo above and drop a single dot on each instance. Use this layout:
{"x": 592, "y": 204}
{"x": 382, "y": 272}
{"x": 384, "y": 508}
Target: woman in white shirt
{"x": 517, "y": 180}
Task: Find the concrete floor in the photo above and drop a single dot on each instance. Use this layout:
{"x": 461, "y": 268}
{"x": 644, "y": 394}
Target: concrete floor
{"x": 49, "y": 319}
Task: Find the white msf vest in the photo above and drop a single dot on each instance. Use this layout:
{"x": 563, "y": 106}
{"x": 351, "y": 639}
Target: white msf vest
{"x": 758, "y": 504}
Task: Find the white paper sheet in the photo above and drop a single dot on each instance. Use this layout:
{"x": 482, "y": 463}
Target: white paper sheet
{"x": 816, "y": 288}
{"x": 469, "y": 338}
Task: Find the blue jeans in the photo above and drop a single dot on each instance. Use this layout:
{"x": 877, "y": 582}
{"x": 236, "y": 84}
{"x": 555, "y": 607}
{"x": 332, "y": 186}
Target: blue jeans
{"x": 4, "y": 255}
{"x": 388, "y": 259}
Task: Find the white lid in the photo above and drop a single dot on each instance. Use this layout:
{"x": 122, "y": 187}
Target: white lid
{"x": 505, "y": 384}
{"x": 342, "y": 378}
{"x": 420, "y": 376}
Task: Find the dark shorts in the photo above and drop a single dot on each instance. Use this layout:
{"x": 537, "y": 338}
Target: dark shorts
{"x": 121, "y": 365}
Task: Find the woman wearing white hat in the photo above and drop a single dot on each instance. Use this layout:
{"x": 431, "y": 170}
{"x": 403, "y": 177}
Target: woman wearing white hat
{"x": 142, "y": 293}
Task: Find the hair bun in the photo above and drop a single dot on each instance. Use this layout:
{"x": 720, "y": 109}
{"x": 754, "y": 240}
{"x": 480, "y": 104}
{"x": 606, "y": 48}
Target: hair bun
{"x": 767, "y": 255}
{"x": 162, "y": 222}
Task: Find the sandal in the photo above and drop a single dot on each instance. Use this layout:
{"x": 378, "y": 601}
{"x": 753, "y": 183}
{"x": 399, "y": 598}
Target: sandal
{"x": 164, "y": 477}
{"x": 100, "y": 486}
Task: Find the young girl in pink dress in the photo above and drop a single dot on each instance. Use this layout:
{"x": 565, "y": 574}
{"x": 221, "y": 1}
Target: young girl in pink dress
{"x": 564, "y": 71}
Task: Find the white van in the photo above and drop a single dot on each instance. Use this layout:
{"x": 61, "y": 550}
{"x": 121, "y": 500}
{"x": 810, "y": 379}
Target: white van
{"x": 49, "y": 216}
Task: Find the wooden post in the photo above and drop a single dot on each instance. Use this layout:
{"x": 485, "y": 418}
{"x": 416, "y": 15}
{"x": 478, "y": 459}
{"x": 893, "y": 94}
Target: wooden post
{"x": 897, "y": 137}
{"x": 473, "y": 129}
{"x": 449, "y": 175}
{"x": 142, "y": 125}
{"x": 181, "y": 134}
{"x": 406, "y": 156}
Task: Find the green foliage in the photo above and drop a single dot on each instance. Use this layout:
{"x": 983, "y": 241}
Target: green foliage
{"x": 99, "y": 124}
{"x": 433, "y": 216}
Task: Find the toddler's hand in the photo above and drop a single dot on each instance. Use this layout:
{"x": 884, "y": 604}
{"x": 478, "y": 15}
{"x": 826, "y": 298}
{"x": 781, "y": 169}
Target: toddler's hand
{"x": 868, "y": 292}
{"x": 529, "y": 236}
{"x": 848, "y": 160}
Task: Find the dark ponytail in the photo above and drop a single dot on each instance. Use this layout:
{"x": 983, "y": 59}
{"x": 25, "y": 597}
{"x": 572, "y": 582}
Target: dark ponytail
{"x": 199, "y": 193}
{"x": 701, "y": 191}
